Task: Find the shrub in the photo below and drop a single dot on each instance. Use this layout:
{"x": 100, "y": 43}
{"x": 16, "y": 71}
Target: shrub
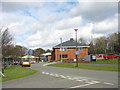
{"x": 68, "y": 60}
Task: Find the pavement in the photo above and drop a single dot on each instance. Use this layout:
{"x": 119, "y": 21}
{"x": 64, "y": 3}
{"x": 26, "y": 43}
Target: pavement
{"x": 65, "y": 78}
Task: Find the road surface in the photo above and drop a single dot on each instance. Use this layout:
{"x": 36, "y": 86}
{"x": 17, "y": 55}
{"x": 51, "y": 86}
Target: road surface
{"x": 66, "y": 78}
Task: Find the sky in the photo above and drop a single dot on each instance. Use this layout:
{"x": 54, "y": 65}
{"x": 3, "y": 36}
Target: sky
{"x": 42, "y": 24}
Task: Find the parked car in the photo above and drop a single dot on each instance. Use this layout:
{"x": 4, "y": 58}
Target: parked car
{"x": 33, "y": 62}
{"x": 14, "y": 62}
{"x": 25, "y": 63}
{"x": 109, "y": 56}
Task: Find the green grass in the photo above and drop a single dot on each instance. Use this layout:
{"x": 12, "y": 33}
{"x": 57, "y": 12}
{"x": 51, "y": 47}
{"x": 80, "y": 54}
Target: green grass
{"x": 85, "y": 66}
{"x": 15, "y": 71}
{"x": 106, "y": 61}
{"x": 0, "y": 79}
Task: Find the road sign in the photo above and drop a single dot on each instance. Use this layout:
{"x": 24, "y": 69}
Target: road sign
{"x": 31, "y": 51}
{"x": 77, "y": 53}
{"x": 74, "y": 60}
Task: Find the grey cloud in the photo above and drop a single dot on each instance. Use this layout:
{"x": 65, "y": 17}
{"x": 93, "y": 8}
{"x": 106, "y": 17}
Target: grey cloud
{"x": 96, "y": 11}
{"x": 15, "y": 6}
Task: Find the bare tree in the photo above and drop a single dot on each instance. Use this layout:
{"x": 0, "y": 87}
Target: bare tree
{"x": 6, "y": 40}
{"x": 104, "y": 45}
{"x": 82, "y": 41}
{"x": 18, "y": 51}
{"x": 113, "y": 43}
{"x": 38, "y": 52}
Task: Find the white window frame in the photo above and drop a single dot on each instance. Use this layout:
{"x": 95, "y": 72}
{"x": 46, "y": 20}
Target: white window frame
{"x": 80, "y": 48}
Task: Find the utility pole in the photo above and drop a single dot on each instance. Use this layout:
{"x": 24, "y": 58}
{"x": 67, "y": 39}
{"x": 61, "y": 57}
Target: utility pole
{"x": 61, "y": 49}
{"x": 76, "y": 49}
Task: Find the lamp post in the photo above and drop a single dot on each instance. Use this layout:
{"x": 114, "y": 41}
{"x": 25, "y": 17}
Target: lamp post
{"x": 61, "y": 49}
{"x": 76, "y": 48}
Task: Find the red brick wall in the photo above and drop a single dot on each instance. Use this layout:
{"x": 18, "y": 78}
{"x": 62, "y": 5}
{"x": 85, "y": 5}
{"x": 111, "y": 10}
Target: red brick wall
{"x": 49, "y": 58}
{"x": 41, "y": 57}
{"x": 71, "y": 53}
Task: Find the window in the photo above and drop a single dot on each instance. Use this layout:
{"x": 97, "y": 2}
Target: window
{"x": 80, "y": 48}
{"x": 64, "y": 56}
{"x": 63, "y": 49}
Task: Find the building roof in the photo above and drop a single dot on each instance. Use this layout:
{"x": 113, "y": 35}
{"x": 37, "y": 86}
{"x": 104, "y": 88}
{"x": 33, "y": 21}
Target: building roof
{"x": 46, "y": 54}
{"x": 29, "y": 56}
{"x": 70, "y": 44}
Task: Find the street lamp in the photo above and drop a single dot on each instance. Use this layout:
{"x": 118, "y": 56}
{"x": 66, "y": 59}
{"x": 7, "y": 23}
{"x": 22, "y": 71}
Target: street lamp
{"x": 76, "y": 48}
{"x": 61, "y": 49}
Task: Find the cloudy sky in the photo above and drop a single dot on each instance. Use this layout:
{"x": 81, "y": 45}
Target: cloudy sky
{"x": 41, "y": 24}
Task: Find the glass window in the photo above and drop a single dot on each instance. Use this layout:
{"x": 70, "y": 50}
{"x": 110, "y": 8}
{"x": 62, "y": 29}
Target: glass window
{"x": 63, "y": 49}
{"x": 80, "y": 48}
{"x": 64, "y": 56}
{"x": 25, "y": 60}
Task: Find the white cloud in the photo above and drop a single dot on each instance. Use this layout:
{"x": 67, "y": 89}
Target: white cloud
{"x": 42, "y": 25}
{"x": 106, "y": 26}
{"x": 69, "y": 23}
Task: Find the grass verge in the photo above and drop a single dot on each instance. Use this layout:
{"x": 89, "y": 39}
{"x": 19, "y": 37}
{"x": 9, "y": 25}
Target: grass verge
{"x": 106, "y": 61}
{"x": 15, "y": 72}
{"x": 85, "y": 66}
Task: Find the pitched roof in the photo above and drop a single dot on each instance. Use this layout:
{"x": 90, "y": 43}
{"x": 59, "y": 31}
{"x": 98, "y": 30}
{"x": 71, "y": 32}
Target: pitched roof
{"x": 29, "y": 56}
{"x": 46, "y": 54}
{"x": 70, "y": 44}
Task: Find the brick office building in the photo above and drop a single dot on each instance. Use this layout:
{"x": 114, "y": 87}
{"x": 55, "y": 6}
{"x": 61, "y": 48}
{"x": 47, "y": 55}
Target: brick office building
{"x": 69, "y": 50}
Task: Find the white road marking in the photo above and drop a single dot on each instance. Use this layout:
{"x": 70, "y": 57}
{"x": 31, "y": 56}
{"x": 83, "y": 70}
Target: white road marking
{"x": 71, "y": 78}
{"x": 108, "y": 83}
{"x": 52, "y": 74}
{"x": 43, "y": 72}
{"x": 95, "y": 81}
{"x": 79, "y": 80}
{"x": 68, "y": 76}
{"x": 62, "y": 76}
{"x": 85, "y": 80}
{"x": 90, "y": 83}
{"x": 80, "y": 86}
{"x": 47, "y": 73}
{"x": 75, "y": 78}
{"x": 56, "y": 75}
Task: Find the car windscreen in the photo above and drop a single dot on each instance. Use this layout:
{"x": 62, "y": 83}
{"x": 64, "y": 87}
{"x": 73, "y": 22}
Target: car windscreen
{"x": 25, "y": 60}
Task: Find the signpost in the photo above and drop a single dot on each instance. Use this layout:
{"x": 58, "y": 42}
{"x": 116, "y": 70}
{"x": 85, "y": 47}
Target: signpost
{"x": 31, "y": 51}
{"x": 77, "y": 52}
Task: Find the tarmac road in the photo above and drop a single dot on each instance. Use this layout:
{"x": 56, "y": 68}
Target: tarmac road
{"x": 67, "y": 78}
